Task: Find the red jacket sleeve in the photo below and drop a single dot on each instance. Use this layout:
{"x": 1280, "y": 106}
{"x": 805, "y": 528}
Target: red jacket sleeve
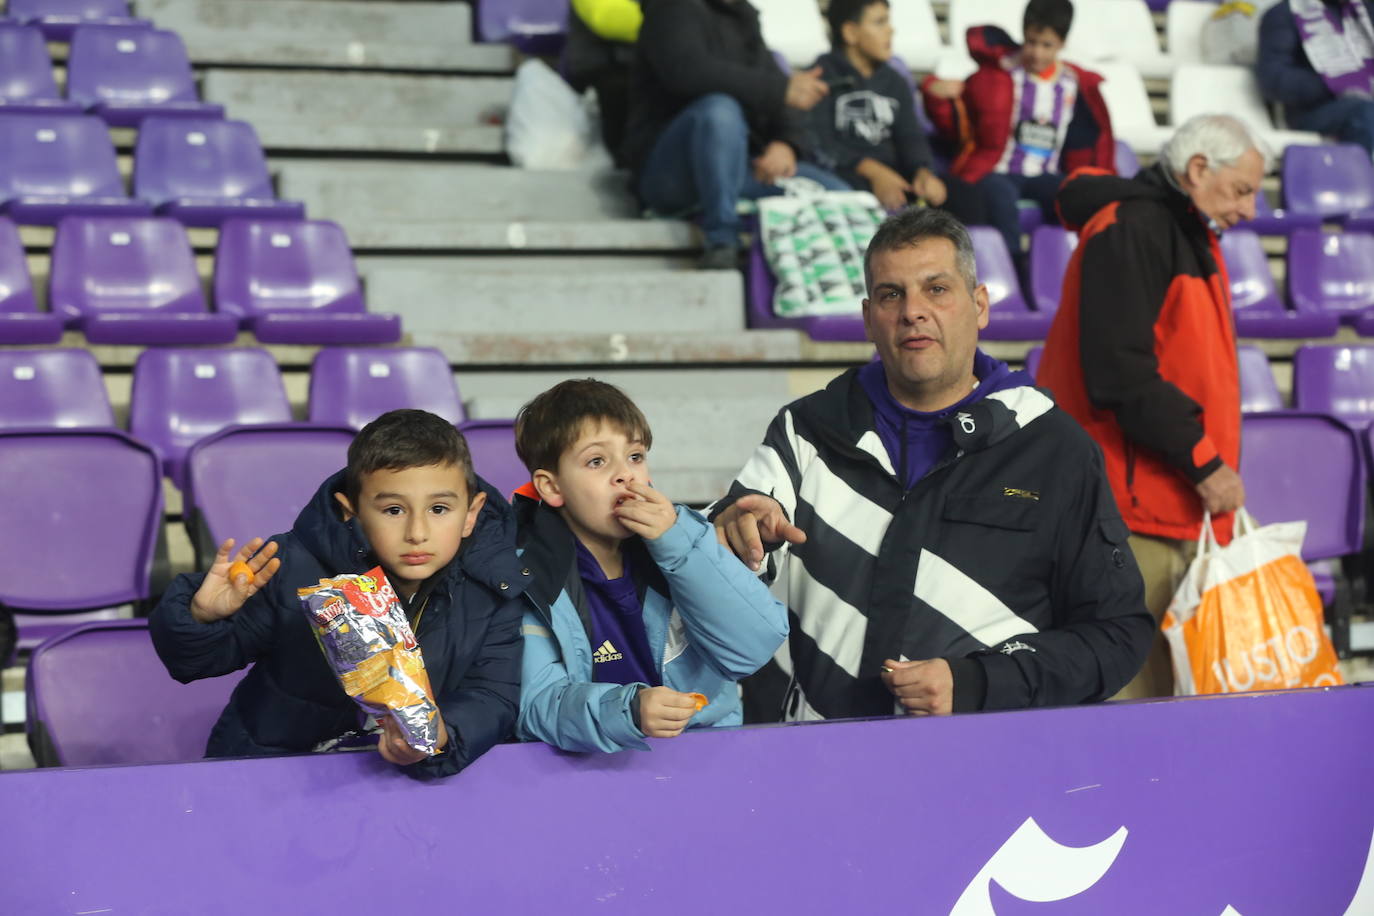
{"x": 943, "y": 113}
{"x": 987, "y": 95}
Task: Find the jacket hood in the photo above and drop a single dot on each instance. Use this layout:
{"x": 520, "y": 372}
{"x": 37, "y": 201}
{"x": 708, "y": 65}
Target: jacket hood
{"x": 1087, "y": 191}
{"x": 487, "y": 555}
{"x": 990, "y": 45}
{"x": 843, "y": 413}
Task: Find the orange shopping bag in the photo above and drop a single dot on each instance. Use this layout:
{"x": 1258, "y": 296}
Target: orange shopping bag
{"x": 1247, "y": 615}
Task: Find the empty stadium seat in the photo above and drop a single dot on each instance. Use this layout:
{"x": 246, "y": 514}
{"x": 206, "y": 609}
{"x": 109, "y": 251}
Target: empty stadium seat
{"x": 963, "y": 14}
{"x": 1120, "y": 31}
{"x": 59, "y": 18}
{"x": 80, "y": 532}
{"x": 1259, "y": 310}
{"x": 1127, "y": 164}
{"x": 125, "y": 75}
{"x": 353, "y": 386}
{"x": 57, "y": 388}
{"x": 1259, "y": 392}
{"x": 1128, "y": 103}
{"x": 181, "y": 396}
{"x": 203, "y": 172}
{"x": 281, "y": 465}
{"x": 796, "y": 31}
{"x": 1330, "y": 272}
{"x": 1050, "y": 251}
{"x": 20, "y": 320}
{"x": 295, "y": 282}
{"x": 1033, "y": 356}
{"x": 916, "y": 36}
{"x": 1335, "y": 380}
{"x": 53, "y": 166}
{"x": 1183, "y": 22}
{"x": 99, "y": 695}
{"x": 533, "y": 26}
{"x": 26, "y": 81}
{"x": 1278, "y": 221}
{"x": 1330, "y": 181}
{"x": 131, "y": 281}
{"x": 1201, "y": 89}
{"x": 1308, "y": 467}
{"x": 492, "y": 444}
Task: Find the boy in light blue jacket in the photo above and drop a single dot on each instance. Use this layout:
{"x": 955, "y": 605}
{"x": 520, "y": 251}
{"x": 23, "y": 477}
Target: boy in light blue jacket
{"x": 634, "y": 605}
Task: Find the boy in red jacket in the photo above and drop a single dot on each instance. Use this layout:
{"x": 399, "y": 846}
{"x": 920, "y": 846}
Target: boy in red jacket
{"x": 1024, "y": 119}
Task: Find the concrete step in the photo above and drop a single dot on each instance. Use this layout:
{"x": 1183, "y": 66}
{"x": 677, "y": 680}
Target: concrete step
{"x": 345, "y": 33}
{"x": 447, "y": 301}
{"x": 365, "y": 112}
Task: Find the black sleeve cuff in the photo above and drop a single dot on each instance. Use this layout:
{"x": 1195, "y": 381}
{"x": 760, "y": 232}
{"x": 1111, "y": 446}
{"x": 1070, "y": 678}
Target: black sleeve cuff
{"x": 1197, "y": 475}
{"x": 970, "y": 684}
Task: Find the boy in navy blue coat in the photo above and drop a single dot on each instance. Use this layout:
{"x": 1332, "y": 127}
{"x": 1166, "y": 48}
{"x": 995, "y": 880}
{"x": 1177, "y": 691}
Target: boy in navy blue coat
{"x": 635, "y": 606}
{"x": 409, "y": 501}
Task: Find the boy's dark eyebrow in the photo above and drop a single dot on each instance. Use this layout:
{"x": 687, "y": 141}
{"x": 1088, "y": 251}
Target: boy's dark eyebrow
{"x": 442, "y": 494}
{"x": 601, "y": 444}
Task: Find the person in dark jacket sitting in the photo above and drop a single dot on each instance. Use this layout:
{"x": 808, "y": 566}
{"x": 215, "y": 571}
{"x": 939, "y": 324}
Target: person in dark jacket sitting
{"x": 713, "y": 118}
{"x": 410, "y": 502}
{"x": 865, "y": 129}
{"x": 1316, "y": 58}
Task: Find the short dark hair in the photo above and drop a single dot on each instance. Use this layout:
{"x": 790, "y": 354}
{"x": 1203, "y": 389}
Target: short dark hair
{"x": 401, "y": 439}
{"x": 1055, "y": 15}
{"x": 842, "y": 11}
{"x": 916, "y": 224}
{"x": 549, "y": 425}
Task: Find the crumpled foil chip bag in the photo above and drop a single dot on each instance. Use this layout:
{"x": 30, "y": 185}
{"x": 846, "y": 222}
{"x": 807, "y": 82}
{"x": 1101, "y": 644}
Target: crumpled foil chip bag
{"x": 368, "y": 642}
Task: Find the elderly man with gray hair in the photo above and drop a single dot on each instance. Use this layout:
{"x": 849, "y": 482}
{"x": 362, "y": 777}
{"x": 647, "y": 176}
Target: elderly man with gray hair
{"x": 1143, "y": 353}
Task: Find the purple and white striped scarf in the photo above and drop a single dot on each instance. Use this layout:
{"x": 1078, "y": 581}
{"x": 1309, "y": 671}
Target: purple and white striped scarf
{"x": 1339, "y": 45}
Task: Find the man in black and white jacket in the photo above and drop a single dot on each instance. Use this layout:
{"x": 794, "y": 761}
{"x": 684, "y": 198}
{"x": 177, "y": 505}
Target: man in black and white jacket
{"x": 943, "y": 536}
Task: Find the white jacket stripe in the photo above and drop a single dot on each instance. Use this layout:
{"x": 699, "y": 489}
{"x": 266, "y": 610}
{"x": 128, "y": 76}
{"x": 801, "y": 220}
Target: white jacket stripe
{"x": 949, "y": 590}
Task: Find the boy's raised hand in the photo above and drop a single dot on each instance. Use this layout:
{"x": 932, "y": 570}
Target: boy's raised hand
{"x": 648, "y": 513}
{"x": 219, "y": 596}
{"x": 664, "y": 712}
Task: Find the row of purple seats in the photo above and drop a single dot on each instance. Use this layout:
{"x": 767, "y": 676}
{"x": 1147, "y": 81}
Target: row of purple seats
{"x": 181, "y": 396}
{"x": 197, "y": 170}
{"x": 121, "y": 280}
{"x": 60, "y": 18}
{"x": 1331, "y": 182}
{"x": 536, "y": 27}
{"x": 120, "y": 74}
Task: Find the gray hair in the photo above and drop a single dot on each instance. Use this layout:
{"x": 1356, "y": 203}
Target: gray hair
{"x": 916, "y": 224}
{"x": 1220, "y": 139}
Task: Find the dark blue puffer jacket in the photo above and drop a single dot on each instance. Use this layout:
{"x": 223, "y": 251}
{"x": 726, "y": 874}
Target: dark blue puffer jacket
{"x": 291, "y": 701}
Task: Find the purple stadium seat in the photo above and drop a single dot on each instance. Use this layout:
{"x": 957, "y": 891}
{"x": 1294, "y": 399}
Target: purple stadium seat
{"x": 1259, "y": 393}
{"x": 57, "y": 388}
{"x": 131, "y": 281}
{"x": 291, "y": 281}
{"x": 20, "y": 320}
{"x": 203, "y": 172}
{"x": 1335, "y": 380}
{"x": 1329, "y": 181}
{"x": 351, "y": 387}
{"x": 99, "y": 695}
{"x": 1308, "y": 467}
{"x": 492, "y": 443}
{"x": 81, "y": 530}
{"x": 181, "y": 396}
{"x": 280, "y": 464}
{"x": 58, "y": 18}
{"x": 26, "y": 82}
{"x": 1033, "y": 360}
{"x": 53, "y": 166}
{"x": 1331, "y": 272}
{"x": 1259, "y": 311}
{"x": 1127, "y": 163}
{"x": 533, "y": 26}
{"x": 1050, "y": 251}
{"x": 1269, "y": 221}
{"x": 124, "y": 75}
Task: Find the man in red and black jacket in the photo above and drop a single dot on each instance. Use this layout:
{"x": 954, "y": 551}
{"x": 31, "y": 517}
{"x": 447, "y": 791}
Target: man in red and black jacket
{"x": 1143, "y": 353}
{"x": 1024, "y": 119}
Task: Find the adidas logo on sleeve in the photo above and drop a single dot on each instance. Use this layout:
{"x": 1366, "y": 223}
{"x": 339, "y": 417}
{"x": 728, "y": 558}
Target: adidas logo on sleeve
{"x": 606, "y": 653}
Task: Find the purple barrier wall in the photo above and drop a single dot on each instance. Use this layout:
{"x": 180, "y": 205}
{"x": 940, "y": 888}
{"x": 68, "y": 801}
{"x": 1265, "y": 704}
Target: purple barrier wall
{"x": 1260, "y": 804}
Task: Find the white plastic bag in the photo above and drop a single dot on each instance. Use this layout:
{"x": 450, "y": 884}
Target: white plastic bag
{"x": 549, "y": 126}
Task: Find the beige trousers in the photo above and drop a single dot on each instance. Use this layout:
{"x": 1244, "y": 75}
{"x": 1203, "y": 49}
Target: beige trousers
{"x": 1162, "y": 562}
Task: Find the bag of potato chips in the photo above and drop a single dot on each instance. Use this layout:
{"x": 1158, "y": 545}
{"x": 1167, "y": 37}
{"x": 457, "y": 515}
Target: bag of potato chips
{"x": 368, "y": 642}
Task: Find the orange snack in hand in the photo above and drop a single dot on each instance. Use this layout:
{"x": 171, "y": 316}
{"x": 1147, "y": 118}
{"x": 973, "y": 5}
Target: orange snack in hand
{"x": 700, "y": 700}
{"x": 240, "y": 568}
